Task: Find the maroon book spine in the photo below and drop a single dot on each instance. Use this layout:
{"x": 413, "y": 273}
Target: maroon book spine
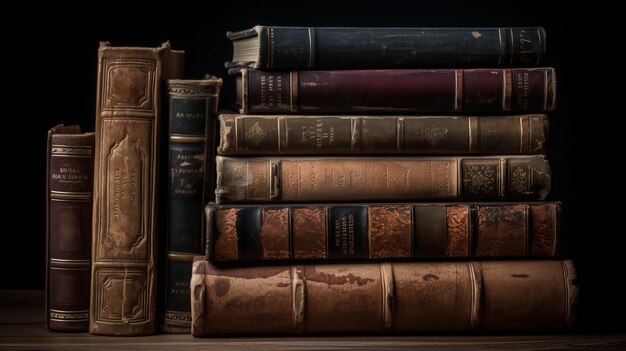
{"x": 397, "y": 91}
{"x": 68, "y": 224}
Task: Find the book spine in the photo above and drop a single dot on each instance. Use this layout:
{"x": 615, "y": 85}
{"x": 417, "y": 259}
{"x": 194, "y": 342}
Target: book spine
{"x": 350, "y": 48}
{"x": 399, "y": 91}
{"x": 498, "y": 296}
{"x": 310, "y": 179}
{"x": 68, "y": 222}
{"x": 193, "y": 103}
{"x": 343, "y": 135}
{"x": 128, "y": 123}
{"x": 381, "y": 231}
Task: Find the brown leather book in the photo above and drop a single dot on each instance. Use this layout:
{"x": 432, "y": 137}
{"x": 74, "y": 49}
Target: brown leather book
{"x": 190, "y": 169}
{"x": 69, "y": 186}
{"x": 128, "y": 123}
{"x": 500, "y": 296}
{"x": 396, "y": 90}
{"x": 381, "y": 231}
{"x": 344, "y": 135}
{"x": 345, "y": 179}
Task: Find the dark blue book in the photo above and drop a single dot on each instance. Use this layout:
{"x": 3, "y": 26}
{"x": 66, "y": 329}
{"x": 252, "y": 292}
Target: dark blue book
{"x": 271, "y": 47}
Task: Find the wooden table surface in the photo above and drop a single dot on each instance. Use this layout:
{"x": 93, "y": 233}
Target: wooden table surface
{"x": 22, "y": 327}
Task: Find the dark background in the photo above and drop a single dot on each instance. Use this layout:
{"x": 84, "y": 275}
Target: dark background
{"x": 51, "y": 76}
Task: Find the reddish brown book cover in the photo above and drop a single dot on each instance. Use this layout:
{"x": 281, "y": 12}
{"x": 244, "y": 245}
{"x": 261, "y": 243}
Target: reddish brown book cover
{"x": 68, "y": 225}
{"x": 397, "y": 91}
{"x": 381, "y": 231}
{"x": 426, "y": 297}
{"x": 353, "y": 179}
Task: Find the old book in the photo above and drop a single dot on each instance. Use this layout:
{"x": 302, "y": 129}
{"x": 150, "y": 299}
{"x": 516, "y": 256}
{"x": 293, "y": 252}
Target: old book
{"x": 343, "y": 135}
{"x": 268, "y": 47}
{"x": 396, "y": 91}
{"x": 381, "y": 231}
{"x": 500, "y": 296}
{"x": 69, "y": 186}
{"x": 345, "y": 179}
{"x": 192, "y": 109}
{"x": 128, "y": 123}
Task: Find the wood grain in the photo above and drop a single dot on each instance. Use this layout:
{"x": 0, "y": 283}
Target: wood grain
{"x": 22, "y": 327}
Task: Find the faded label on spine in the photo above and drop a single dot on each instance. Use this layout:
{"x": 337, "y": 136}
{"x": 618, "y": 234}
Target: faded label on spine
{"x": 124, "y": 195}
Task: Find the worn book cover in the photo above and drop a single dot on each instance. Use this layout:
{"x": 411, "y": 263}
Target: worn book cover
{"x": 382, "y": 135}
{"x": 192, "y": 109}
{"x": 353, "y": 179}
{"x": 276, "y": 47}
{"x": 401, "y": 297}
{"x": 396, "y": 91}
{"x": 381, "y": 231}
{"x": 69, "y": 185}
{"x": 125, "y": 212}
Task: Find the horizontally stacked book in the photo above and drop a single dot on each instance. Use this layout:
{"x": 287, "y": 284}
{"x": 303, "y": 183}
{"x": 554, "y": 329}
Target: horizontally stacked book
{"x": 343, "y": 165}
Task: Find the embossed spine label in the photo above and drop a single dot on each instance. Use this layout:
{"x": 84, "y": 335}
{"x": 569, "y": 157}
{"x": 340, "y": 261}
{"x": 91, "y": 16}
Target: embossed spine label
{"x": 125, "y": 176}
{"x": 348, "y": 232}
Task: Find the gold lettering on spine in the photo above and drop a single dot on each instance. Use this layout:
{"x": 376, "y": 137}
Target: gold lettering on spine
{"x": 522, "y": 89}
{"x": 125, "y": 167}
{"x": 259, "y": 181}
{"x": 69, "y": 175}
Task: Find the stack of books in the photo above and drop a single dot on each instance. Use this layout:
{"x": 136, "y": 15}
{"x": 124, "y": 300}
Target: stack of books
{"x": 374, "y": 180}
{"x": 396, "y": 148}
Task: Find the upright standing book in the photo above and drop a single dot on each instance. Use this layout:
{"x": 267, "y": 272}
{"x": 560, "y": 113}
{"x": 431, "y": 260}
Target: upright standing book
{"x": 69, "y": 186}
{"x": 192, "y": 108}
{"x": 128, "y": 123}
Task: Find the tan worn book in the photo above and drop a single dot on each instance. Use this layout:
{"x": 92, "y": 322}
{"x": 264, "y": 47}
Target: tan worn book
{"x": 128, "y": 123}
{"x": 382, "y": 135}
{"x": 331, "y": 179}
{"x": 497, "y": 296}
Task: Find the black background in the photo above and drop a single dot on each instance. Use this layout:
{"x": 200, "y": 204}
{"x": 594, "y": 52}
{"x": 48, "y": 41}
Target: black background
{"x": 51, "y": 76}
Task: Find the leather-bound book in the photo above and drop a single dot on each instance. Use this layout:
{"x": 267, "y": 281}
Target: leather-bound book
{"x": 396, "y": 91}
{"x": 192, "y": 110}
{"x": 128, "y": 124}
{"x": 354, "y": 179}
{"x": 381, "y": 231}
{"x": 69, "y": 190}
{"x": 367, "y": 298}
{"x": 391, "y": 134}
{"x": 274, "y": 47}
